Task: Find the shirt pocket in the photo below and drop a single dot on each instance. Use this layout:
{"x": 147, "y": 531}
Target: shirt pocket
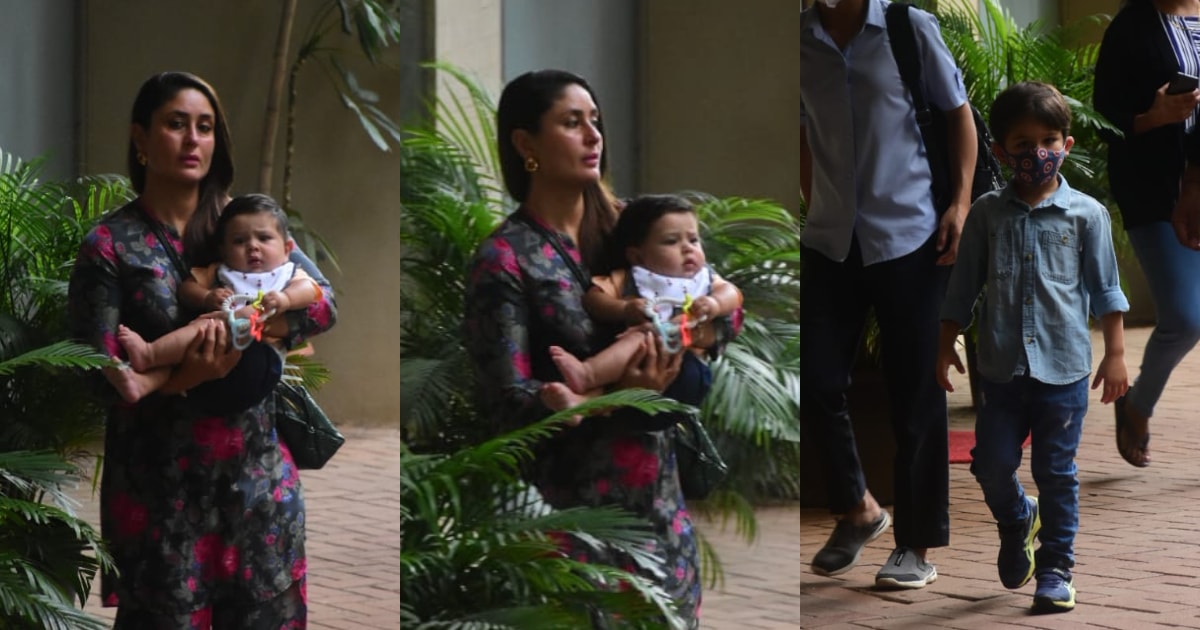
{"x": 1059, "y": 256}
{"x": 1003, "y": 257}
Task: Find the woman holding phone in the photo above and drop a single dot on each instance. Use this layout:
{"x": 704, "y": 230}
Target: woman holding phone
{"x": 1141, "y": 90}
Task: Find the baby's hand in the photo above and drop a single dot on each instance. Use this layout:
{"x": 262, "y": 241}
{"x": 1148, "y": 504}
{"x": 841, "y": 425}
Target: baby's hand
{"x": 635, "y": 311}
{"x": 215, "y": 298}
{"x": 276, "y": 302}
{"x": 705, "y": 308}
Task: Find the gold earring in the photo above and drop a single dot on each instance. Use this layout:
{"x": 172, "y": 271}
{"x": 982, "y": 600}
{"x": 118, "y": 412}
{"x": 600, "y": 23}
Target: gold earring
{"x": 141, "y": 158}
{"x": 531, "y": 164}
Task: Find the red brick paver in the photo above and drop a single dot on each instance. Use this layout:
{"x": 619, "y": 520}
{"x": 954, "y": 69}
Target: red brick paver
{"x": 353, "y": 525}
{"x": 1138, "y": 549}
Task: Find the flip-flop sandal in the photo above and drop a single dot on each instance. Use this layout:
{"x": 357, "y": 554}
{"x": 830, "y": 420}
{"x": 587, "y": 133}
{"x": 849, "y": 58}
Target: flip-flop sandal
{"x": 1125, "y": 431}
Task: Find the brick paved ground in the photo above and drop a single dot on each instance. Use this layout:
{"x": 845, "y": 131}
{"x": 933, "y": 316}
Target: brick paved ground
{"x": 1138, "y": 549}
{"x": 353, "y": 512}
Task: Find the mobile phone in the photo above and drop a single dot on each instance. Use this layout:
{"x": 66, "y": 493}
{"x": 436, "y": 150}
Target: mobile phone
{"x": 1182, "y": 83}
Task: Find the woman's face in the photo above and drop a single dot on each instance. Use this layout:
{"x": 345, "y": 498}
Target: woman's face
{"x": 568, "y": 145}
{"x": 179, "y": 143}
{"x": 672, "y": 247}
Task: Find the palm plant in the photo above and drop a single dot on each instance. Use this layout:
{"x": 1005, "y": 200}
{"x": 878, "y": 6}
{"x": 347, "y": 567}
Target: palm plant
{"x": 374, "y": 25}
{"x": 451, "y": 202}
{"x": 478, "y": 551}
{"x": 48, "y": 556}
{"x": 993, "y": 52}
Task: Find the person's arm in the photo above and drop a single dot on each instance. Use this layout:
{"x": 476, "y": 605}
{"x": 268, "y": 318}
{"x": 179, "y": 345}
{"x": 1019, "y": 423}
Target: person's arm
{"x": 947, "y": 354}
{"x": 806, "y": 164}
{"x": 300, "y": 292}
{"x": 317, "y": 317}
{"x": 722, "y": 300}
{"x": 1185, "y": 218}
{"x": 604, "y": 303}
{"x": 964, "y": 147}
{"x": 1101, "y": 279}
{"x": 1112, "y": 371}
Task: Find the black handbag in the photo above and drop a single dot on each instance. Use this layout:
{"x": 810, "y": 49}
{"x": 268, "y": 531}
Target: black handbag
{"x": 701, "y": 468}
{"x": 304, "y": 427}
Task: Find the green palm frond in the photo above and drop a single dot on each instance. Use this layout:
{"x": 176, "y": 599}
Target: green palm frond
{"x": 62, "y": 354}
{"x": 495, "y": 561}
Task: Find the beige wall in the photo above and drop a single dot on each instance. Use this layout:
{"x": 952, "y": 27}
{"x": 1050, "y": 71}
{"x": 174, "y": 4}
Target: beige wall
{"x": 346, "y": 189}
{"x": 1072, "y": 11}
{"x": 467, "y": 35}
{"x": 721, "y": 98}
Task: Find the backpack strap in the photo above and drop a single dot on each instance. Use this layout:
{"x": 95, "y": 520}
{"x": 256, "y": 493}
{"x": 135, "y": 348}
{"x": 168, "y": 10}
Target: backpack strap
{"x": 904, "y": 49}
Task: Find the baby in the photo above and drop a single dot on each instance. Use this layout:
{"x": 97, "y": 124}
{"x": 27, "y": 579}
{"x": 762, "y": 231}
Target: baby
{"x": 252, "y": 237}
{"x": 668, "y": 283}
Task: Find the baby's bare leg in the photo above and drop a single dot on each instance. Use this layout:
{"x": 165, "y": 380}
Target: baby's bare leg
{"x": 133, "y": 386}
{"x": 162, "y": 352}
{"x": 603, "y": 368}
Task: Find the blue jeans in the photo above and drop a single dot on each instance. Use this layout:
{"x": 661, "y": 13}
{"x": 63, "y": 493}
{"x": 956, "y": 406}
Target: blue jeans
{"x": 1171, "y": 274}
{"x": 1054, "y": 414}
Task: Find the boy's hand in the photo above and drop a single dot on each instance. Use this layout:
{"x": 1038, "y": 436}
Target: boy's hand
{"x": 705, "y": 308}
{"x": 1113, "y": 374}
{"x": 948, "y": 356}
{"x": 276, "y": 302}
{"x": 215, "y": 298}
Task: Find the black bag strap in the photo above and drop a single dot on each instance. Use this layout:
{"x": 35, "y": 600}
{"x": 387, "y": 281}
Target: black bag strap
{"x": 585, "y": 281}
{"x": 903, "y": 41}
{"x": 161, "y": 235}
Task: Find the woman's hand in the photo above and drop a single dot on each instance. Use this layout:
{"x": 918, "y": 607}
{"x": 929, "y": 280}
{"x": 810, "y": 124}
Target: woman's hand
{"x": 652, "y": 367}
{"x": 207, "y": 358}
{"x": 1172, "y": 108}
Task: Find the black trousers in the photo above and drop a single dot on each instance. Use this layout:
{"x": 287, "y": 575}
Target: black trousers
{"x": 906, "y": 294}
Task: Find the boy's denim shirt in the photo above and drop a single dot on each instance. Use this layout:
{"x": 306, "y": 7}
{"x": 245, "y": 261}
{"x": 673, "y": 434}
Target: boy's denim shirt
{"x": 1043, "y": 270}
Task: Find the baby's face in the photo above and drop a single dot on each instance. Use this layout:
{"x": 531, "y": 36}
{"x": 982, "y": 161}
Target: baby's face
{"x": 672, "y": 248}
{"x": 253, "y": 243}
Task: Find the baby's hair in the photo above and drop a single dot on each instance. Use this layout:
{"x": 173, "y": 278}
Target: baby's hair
{"x": 253, "y": 203}
{"x": 639, "y": 216}
{"x": 1029, "y": 100}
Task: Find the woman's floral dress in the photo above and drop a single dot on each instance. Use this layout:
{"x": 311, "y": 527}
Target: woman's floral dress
{"x": 521, "y": 299}
{"x": 193, "y": 506}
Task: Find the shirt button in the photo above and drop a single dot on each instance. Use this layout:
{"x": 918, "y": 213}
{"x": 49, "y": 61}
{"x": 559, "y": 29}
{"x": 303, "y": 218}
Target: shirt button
{"x": 1029, "y": 340}
{"x": 1029, "y": 300}
{"x": 1028, "y": 256}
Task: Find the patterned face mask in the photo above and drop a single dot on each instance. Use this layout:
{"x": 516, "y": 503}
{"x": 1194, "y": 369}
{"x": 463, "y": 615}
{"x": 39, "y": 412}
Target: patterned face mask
{"x": 1035, "y": 166}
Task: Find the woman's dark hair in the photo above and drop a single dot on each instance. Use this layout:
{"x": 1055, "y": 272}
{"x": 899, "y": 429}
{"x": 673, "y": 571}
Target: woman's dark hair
{"x": 638, "y": 218}
{"x": 522, "y": 104}
{"x": 1028, "y": 100}
{"x": 253, "y": 203}
{"x": 214, "y": 188}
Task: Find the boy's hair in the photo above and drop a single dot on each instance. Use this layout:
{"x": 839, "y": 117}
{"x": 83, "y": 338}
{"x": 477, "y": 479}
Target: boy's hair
{"x": 1029, "y": 100}
{"x": 254, "y": 203}
{"x": 633, "y": 225}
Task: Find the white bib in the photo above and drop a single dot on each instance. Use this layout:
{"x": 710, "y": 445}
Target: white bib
{"x": 652, "y": 286}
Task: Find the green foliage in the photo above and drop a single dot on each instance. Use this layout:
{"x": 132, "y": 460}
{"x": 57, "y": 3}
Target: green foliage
{"x": 478, "y": 550}
{"x": 48, "y": 556}
{"x": 993, "y": 52}
{"x": 451, "y": 202}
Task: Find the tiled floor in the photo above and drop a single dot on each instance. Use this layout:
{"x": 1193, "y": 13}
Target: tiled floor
{"x": 1138, "y": 548}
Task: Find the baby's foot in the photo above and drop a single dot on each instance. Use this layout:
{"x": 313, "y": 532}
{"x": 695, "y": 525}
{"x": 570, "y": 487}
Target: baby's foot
{"x": 557, "y": 396}
{"x": 576, "y": 373}
{"x": 131, "y": 385}
{"x": 136, "y": 348}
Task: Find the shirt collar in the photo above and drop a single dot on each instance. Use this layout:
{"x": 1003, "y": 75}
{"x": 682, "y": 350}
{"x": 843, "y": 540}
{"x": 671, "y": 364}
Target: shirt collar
{"x": 811, "y": 21}
{"x": 1060, "y": 198}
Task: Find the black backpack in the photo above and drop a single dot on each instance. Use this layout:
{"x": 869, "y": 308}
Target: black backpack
{"x": 932, "y": 121}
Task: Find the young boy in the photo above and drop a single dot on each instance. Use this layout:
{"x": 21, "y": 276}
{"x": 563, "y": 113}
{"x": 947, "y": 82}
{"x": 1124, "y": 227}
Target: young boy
{"x": 252, "y": 233}
{"x": 1043, "y": 255}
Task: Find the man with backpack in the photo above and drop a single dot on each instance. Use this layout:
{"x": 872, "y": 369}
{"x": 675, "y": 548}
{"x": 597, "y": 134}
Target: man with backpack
{"x": 881, "y": 231}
